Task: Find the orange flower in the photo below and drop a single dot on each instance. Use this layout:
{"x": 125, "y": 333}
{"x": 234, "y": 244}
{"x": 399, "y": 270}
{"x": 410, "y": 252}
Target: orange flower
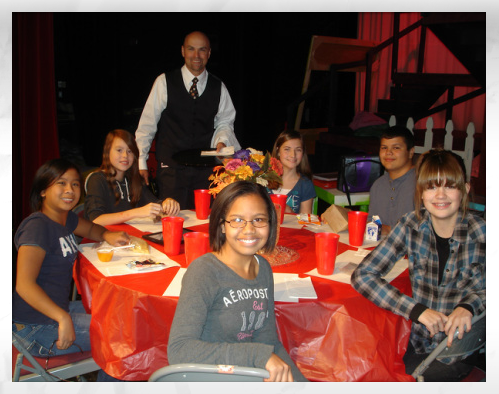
{"x": 276, "y": 165}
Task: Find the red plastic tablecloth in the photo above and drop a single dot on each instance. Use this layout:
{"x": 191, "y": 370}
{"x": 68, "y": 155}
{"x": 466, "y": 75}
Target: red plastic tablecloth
{"x": 340, "y": 336}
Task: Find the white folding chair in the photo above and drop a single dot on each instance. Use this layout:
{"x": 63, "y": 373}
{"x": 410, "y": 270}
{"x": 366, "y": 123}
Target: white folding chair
{"x": 471, "y": 342}
{"x": 61, "y": 367}
{"x": 208, "y": 373}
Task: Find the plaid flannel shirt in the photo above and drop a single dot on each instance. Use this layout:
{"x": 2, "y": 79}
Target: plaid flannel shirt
{"x": 463, "y": 280}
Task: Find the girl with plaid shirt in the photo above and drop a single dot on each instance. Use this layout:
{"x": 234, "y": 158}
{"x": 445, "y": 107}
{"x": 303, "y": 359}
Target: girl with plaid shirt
{"x": 445, "y": 247}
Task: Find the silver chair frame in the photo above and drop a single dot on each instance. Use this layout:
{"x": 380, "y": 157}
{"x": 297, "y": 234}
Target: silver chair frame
{"x": 471, "y": 342}
{"x": 38, "y": 373}
{"x": 208, "y": 373}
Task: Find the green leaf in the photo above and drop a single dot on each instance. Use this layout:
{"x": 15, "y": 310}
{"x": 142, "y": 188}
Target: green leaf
{"x": 266, "y": 162}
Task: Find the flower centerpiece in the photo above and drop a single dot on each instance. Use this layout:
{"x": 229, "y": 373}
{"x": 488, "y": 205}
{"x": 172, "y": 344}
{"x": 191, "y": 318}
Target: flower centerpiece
{"x": 247, "y": 165}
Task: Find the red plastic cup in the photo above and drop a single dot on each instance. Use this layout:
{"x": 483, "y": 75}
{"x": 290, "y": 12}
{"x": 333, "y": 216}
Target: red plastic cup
{"x": 172, "y": 234}
{"x": 202, "y": 199}
{"x": 356, "y": 227}
{"x": 281, "y": 200}
{"x": 326, "y": 249}
{"x": 196, "y": 244}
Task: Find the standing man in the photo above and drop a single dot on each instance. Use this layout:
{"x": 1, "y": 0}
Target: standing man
{"x": 392, "y": 195}
{"x": 187, "y": 108}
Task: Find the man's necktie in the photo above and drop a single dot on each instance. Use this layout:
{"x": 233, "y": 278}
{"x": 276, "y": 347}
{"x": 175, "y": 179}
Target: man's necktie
{"x": 194, "y": 90}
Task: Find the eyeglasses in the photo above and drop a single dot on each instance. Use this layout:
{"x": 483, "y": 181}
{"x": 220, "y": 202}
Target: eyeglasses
{"x": 241, "y": 223}
{"x": 48, "y": 357}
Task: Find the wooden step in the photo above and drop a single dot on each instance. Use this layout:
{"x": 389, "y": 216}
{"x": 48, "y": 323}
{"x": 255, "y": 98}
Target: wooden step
{"x": 402, "y": 107}
{"x": 417, "y": 93}
{"x": 429, "y": 79}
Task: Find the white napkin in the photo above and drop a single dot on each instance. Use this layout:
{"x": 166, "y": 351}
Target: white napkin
{"x": 225, "y": 151}
{"x": 118, "y": 264}
{"x": 173, "y": 290}
{"x": 290, "y": 288}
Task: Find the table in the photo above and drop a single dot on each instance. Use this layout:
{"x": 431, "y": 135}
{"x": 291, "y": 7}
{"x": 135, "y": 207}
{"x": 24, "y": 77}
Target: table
{"x": 337, "y": 197}
{"x": 340, "y": 336}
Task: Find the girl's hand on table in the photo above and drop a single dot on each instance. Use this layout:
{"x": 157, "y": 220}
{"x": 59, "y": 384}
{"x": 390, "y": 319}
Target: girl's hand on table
{"x": 171, "y": 207}
{"x": 150, "y": 210}
{"x": 116, "y": 238}
{"x": 278, "y": 369}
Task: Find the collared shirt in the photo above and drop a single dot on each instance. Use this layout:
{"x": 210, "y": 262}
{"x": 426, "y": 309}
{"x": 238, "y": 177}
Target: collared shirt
{"x": 390, "y": 199}
{"x": 463, "y": 280}
{"x": 157, "y": 102}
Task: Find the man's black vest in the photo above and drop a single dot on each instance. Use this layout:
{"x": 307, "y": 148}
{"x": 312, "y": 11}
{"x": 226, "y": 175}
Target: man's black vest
{"x": 186, "y": 123}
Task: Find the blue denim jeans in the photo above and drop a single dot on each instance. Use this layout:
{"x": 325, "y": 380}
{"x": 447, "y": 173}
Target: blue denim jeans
{"x": 38, "y": 338}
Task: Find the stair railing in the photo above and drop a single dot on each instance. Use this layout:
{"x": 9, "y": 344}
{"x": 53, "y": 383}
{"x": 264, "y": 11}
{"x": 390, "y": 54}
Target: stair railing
{"x": 331, "y": 80}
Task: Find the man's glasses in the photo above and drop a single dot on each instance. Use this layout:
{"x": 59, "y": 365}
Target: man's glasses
{"x": 48, "y": 357}
{"x": 241, "y": 223}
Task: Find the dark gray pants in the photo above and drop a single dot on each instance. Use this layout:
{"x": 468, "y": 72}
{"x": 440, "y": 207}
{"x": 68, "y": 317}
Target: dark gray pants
{"x": 180, "y": 183}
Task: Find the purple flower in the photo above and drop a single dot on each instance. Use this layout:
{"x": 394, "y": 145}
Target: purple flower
{"x": 242, "y": 154}
{"x": 255, "y": 167}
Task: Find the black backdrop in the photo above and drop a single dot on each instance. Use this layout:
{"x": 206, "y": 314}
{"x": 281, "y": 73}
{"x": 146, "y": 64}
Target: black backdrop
{"x": 106, "y": 63}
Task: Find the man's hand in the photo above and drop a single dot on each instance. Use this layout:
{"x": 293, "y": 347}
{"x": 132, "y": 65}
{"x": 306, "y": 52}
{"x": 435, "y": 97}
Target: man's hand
{"x": 145, "y": 174}
{"x": 220, "y": 145}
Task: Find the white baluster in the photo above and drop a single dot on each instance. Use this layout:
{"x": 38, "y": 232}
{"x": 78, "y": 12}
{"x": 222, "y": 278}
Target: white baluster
{"x": 449, "y": 127}
{"x": 393, "y": 121}
{"x": 468, "y": 149}
{"x": 428, "y": 137}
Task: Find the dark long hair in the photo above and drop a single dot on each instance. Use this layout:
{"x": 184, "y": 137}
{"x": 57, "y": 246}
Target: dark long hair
{"x": 224, "y": 201}
{"x": 132, "y": 173}
{"x": 45, "y": 177}
{"x": 287, "y": 135}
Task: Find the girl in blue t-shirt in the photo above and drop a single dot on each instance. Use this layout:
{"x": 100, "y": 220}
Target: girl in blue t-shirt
{"x": 42, "y": 315}
{"x": 297, "y": 177}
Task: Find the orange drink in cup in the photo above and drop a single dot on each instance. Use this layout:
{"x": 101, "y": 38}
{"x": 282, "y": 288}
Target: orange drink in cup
{"x": 105, "y": 254}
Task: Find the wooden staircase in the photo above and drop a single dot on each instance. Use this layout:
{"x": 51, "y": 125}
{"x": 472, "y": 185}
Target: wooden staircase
{"x": 412, "y": 94}
{"x": 415, "y": 94}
